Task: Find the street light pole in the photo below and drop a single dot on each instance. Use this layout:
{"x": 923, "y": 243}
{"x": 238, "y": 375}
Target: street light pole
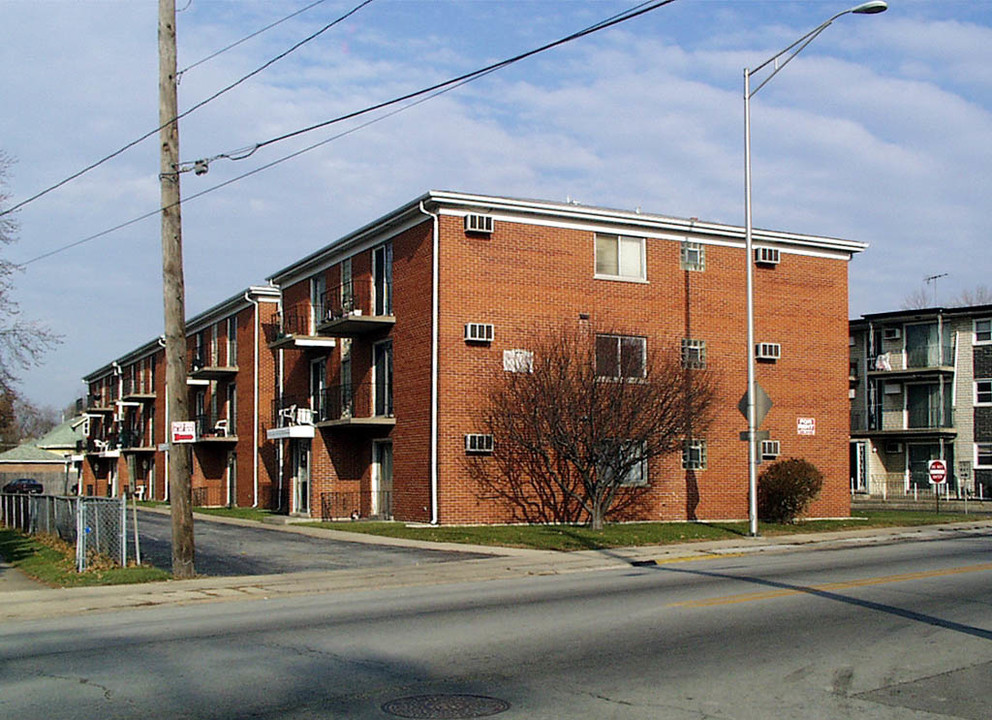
{"x": 867, "y": 8}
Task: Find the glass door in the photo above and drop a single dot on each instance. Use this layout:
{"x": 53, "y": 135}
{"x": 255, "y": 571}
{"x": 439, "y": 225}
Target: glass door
{"x": 300, "y": 457}
{"x": 382, "y": 479}
{"x": 382, "y": 365}
{"x": 382, "y": 268}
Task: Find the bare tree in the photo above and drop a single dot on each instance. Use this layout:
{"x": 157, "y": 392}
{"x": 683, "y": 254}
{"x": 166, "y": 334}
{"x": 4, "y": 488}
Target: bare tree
{"x": 22, "y": 342}
{"x": 978, "y": 295}
{"x": 577, "y": 424}
{"x": 916, "y": 300}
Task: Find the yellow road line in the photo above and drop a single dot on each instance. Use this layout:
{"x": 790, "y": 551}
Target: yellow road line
{"x": 828, "y": 587}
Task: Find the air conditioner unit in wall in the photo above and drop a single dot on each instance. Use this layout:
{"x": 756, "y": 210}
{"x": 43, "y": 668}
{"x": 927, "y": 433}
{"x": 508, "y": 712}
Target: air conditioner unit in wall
{"x": 767, "y": 255}
{"x": 478, "y": 444}
{"x": 479, "y": 332}
{"x": 482, "y": 224}
{"x": 891, "y": 333}
{"x": 768, "y": 351}
{"x": 770, "y": 449}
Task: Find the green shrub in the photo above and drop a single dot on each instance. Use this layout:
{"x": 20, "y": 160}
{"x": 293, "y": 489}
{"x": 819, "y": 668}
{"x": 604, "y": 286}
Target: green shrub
{"x": 786, "y": 488}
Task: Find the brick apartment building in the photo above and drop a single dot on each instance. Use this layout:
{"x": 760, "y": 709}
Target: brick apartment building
{"x": 231, "y": 374}
{"x": 921, "y": 390}
{"x": 369, "y": 375}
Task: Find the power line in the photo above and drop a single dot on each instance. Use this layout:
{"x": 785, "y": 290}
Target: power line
{"x": 183, "y": 114}
{"x": 418, "y": 98}
{"x": 211, "y": 56}
{"x": 248, "y": 151}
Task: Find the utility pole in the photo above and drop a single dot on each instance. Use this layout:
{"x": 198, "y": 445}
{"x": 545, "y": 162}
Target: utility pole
{"x": 174, "y": 294}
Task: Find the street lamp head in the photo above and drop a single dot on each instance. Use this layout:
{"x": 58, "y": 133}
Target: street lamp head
{"x": 870, "y": 8}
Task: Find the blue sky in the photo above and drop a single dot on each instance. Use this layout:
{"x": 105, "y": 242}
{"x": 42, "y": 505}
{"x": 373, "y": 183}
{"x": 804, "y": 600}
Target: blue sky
{"x": 881, "y": 131}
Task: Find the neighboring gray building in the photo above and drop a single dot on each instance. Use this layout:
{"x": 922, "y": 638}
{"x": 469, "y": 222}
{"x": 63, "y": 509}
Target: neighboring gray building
{"x": 921, "y": 389}
{"x": 55, "y": 459}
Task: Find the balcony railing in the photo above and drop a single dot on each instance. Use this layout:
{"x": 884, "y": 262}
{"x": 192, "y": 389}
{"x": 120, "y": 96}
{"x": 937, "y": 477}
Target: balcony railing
{"x": 918, "y": 358}
{"x": 896, "y": 420}
{"x": 355, "y": 401}
{"x": 214, "y": 427}
{"x": 357, "y": 505}
{"x": 134, "y": 439}
{"x": 137, "y": 387}
{"x": 357, "y": 307}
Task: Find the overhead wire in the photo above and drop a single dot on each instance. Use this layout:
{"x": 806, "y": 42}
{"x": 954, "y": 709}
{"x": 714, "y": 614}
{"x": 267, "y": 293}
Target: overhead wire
{"x": 192, "y": 109}
{"x": 418, "y": 98}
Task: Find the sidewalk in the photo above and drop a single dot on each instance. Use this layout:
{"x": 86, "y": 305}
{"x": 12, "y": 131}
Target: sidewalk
{"x": 20, "y": 603}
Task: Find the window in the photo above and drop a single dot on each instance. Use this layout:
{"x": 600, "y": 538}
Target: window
{"x": 694, "y": 455}
{"x": 620, "y": 356}
{"x": 518, "y": 361}
{"x": 620, "y": 256}
{"x": 693, "y": 256}
{"x": 631, "y": 459}
{"x": 232, "y": 341}
{"x": 693, "y": 353}
{"x": 983, "y": 454}
{"x": 983, "y": 331}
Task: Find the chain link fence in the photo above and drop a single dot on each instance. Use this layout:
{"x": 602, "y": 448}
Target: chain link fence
{"x": 94, "y": 525}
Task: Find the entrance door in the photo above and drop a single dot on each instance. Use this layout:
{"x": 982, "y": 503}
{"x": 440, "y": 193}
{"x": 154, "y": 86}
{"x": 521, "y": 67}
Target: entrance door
{"x": 859, "y": 466}
{"x": 382, "y": 362}
{"x": 382, "y": 479}
{"x": 300, "y": 457}
{"x": 382, "y": 268}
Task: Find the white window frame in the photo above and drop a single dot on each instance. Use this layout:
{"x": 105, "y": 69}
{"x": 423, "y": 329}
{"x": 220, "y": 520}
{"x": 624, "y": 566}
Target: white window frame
{"x": 687, "y": 262}
{"x": 979, "y": 453}
{"x": 693, "y": 353}
{"x": 988, "y": 391}
{"x": 619, "y": 242}
{"x": 987, "y": 323}
{"x": 619, "y": 356}
{"x": 697, "y": 446}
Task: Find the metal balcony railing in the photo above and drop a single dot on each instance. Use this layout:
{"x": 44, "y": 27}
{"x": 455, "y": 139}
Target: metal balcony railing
{"x": 362, "y": 400}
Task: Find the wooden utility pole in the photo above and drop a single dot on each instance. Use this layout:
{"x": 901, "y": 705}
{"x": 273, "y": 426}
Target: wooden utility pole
{"x": 174, "y": 295}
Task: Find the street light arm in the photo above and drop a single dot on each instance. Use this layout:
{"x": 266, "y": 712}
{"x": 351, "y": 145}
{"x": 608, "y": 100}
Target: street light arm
{"x": 867, "y": 8}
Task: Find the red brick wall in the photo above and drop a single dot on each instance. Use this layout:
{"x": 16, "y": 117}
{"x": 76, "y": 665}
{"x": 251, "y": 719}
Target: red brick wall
{"x": 524, "y": 274}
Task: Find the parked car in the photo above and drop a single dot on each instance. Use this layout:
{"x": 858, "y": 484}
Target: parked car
{"x": 24, "y": 485}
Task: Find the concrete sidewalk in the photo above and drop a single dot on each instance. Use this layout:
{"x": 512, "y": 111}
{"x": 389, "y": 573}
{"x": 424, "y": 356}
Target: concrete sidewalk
{"x": 19, "y": 603}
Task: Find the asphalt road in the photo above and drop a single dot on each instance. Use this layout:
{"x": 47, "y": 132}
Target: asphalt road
{"x": 897, "y": 632}
{"x": 227, "y": 550}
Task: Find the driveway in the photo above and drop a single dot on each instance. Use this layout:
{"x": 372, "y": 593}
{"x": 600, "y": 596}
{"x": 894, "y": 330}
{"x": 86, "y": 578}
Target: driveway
{"x": 227, "y": 550}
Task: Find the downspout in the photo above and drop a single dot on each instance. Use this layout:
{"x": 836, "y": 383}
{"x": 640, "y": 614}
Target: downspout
{"x": 254, "y": 449}
{"x": 168, "y": 431}
{"x": 435, "y": 314}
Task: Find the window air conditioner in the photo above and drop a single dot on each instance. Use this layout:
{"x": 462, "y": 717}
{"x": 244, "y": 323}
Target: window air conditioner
{"x": 479, "y": 332}
{"x": 767, "y": 255}
{"x": 482, "y": 224}
{"x": 478, "y": 444}
{"x": 770, "y": 449}
{"x": 768, "y": 351}
{"x": 891, "y": 334}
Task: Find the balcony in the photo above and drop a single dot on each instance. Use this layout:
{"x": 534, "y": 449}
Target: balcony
{"x": 919, "y": 361}
{"x": 209, "y": 368}
{"x": 292, "y": 417}
{"x": 105, "y": 447}
{"x": 104, "y": 403}
{"x": 356, "y": 406}
{"x": 134, "y": 441}
{"x": 913, "y": 423}
{"x": 292, "y": 330}
{"x": 357, "y": 308}
{"x": 214, "y": 429}
{"x": 137, "y": 391}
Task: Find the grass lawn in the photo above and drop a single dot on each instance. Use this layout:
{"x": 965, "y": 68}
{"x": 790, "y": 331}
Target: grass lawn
{"x": 567, "y": 537}
{"x": 53, "y": 562}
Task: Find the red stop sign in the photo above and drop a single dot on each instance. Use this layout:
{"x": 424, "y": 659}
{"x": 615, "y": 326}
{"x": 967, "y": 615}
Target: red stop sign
{"x": 938, "y": 471}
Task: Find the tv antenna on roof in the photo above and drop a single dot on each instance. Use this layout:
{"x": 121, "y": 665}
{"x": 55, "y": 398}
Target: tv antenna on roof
{"x": 933, "y": 279}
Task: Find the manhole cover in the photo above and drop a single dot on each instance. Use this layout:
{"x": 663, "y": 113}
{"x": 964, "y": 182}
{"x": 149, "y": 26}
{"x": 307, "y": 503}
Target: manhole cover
{"x": 445, "y": 707}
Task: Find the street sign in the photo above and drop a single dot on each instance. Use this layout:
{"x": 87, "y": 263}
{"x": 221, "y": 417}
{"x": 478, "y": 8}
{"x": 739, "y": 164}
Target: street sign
{"x": 762, "y": 404}
{"x": 183, "y": 431}
{"x": 938, "y": 471}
